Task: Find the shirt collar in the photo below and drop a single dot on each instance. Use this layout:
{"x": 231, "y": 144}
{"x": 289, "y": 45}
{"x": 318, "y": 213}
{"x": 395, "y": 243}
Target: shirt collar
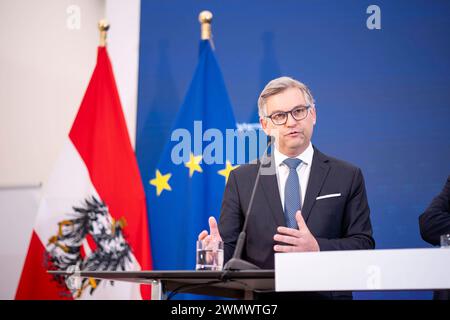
{"x": 306, "y": 156}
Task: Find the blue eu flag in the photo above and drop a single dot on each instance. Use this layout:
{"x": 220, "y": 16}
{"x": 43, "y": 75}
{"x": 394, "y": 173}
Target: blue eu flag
{"x": 188, "y": 183}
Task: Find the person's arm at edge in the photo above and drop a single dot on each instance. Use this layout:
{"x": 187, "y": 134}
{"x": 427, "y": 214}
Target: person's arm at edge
{"x": 435, "y": 221}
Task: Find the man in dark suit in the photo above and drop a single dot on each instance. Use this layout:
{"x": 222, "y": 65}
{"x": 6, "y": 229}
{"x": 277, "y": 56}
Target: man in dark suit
{"x": 434, "y": 222}
{"x": 305, "y": 201}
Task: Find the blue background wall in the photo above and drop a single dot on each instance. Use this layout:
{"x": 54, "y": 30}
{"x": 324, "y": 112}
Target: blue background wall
{"x": 383, "y": 96}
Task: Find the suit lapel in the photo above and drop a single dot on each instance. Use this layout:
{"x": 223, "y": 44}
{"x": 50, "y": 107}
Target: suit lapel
{"x": 319, "y": 171}
{"x": 269, "y": 184}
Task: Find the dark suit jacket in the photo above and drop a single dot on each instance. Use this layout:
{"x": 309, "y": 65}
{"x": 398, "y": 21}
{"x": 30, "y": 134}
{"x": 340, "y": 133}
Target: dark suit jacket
{"x": 434, "y": 222}
{"x": 338, "y": 223}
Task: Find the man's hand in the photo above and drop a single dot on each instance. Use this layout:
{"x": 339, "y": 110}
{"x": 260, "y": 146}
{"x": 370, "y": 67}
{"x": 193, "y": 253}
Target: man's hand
{"x": 297, "y": 240}
{"x": 213, "y": 230}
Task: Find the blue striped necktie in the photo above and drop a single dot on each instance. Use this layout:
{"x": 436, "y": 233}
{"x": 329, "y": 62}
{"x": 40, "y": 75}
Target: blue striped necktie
{"x": 292, "y": 198}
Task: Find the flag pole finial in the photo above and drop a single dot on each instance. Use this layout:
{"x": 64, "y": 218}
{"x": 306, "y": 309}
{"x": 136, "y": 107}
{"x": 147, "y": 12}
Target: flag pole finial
{"x": 103, "y": 27}
{"x": 205, "y": 18}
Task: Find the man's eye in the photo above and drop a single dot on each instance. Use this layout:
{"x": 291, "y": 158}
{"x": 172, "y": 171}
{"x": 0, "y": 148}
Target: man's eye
{"x": 278, "y": 116}
{"x": 298, "y": 111}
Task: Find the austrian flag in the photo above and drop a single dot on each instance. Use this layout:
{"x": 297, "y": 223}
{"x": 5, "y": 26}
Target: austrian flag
{"x": 92, "y": 215}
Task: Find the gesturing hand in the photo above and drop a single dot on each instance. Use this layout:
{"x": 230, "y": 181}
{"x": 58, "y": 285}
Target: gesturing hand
{"x": 214, "y": 234}
{"x": 300, "y": 240}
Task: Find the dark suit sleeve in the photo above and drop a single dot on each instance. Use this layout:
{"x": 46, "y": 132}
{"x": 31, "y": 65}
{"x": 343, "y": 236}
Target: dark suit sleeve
{"x": 356, "y": 226}
{"x": 231, "y": 217}
{"x": 435, "y": 221}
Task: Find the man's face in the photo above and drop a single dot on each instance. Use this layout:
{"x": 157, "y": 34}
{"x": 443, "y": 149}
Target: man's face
{"x": 293, "y": 137}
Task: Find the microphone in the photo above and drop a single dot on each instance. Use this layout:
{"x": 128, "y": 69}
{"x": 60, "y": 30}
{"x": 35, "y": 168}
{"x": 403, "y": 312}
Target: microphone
{"x": 236, "y": 262}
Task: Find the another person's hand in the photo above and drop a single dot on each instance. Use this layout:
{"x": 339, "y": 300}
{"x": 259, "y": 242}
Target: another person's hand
{"x": 214, "y": 234}
{"x": 300, "y": 240}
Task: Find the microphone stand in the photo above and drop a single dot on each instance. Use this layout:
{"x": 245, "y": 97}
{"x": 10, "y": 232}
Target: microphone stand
{"x": 236, "y": 262}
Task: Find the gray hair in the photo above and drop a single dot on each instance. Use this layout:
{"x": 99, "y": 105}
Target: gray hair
{"x": 279, "y": 85}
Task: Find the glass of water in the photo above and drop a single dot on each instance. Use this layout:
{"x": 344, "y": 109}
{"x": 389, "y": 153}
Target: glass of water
{"x": 445, "y": 241}
{"x": 209, "y": 255}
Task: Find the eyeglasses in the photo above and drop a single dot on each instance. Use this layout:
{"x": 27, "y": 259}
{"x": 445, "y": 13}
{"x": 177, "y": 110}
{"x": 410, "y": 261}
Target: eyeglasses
{"x": 280, "y": 117}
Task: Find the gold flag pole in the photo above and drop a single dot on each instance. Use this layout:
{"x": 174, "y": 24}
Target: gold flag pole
{"x": 103, "y": 27}
{"x": 205, "y": 18}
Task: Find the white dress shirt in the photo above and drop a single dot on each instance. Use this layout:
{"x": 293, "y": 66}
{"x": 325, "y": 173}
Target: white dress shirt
{"x": 303, "y": 171}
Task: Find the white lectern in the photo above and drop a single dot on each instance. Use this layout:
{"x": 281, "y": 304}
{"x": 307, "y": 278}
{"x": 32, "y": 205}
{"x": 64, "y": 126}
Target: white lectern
{"x": 363, "y": 270}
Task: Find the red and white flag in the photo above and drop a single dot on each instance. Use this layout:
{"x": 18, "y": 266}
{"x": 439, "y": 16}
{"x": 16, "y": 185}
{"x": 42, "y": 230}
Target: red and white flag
{"x": 92, "y": 215}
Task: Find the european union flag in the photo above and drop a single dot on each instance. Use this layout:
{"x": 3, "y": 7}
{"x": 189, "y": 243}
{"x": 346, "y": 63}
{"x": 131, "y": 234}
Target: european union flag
{"x": 188, "y": 183}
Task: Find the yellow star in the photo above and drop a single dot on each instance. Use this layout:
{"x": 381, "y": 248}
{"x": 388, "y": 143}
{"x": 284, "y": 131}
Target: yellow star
{"x": 193, "y": 164}
{"x": 161, "y": 182}
{"x": 226, "y": 172}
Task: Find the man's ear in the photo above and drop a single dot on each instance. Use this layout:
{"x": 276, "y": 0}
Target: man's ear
{"x": 264, "y": 126}
{"x": 313, "y": 114}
